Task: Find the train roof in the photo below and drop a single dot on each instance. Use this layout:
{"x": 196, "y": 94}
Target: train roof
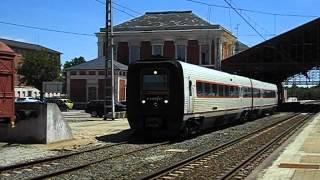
{"x": 225, "y": 77}
{"x": 209, "y": 74}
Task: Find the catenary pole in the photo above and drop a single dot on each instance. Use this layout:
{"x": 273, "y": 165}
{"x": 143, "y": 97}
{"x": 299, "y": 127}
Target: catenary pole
{"x": 109, "y": 64}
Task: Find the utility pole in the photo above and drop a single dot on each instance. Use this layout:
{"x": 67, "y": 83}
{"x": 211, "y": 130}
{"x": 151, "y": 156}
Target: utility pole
{"x": 109, "y": 67}
{"x": 237, "y": 30}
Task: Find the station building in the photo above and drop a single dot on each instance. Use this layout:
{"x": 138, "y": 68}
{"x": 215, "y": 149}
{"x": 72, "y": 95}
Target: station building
{"x": 174, "y": 34}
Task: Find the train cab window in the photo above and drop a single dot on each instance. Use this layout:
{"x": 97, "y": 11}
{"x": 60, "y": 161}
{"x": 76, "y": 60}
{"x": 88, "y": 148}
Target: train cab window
{"x": 158, "y": 82}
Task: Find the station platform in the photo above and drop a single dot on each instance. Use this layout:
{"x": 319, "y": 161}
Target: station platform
{"x": 297, "y": 159}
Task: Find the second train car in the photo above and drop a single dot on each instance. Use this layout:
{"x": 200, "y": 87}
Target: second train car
{"x": 170, "y": 97}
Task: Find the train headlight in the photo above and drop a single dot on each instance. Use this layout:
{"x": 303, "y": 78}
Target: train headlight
{"x": 143, "y": 101}
{"x": 166, "y": 101}
{"x": 155, "y": 72}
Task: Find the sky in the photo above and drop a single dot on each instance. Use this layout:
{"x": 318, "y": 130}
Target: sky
{"x": 88, "y": 16}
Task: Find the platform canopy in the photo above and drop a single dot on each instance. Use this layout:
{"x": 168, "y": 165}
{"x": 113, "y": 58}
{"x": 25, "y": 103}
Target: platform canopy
{"x": 283, "y": 56}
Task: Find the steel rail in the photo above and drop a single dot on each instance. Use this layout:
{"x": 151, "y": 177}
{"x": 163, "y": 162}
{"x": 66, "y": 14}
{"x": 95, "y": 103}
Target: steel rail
{"x": 66, "y": 170}
{"x": 34, "y": 162}
{"x": 266, "y": 147}
{"x": 167, "y": 170}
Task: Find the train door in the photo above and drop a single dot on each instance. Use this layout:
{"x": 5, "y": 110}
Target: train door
{"x": 190, "y": 96}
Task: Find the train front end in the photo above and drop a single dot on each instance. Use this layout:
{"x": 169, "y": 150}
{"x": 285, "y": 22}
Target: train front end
{"x": 155, "y": 97}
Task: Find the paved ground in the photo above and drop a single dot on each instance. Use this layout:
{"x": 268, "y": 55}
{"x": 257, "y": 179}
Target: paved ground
{"x": 300, "y": 159}
{"x": 87, "y": 131}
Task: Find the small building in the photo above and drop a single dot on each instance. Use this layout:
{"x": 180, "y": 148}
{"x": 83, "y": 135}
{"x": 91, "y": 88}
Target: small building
{"x": 52, "y": 88}
{"x": 26, "y": 91}
{"x": 86, "y": 82}
{"x": 175, "y": 34}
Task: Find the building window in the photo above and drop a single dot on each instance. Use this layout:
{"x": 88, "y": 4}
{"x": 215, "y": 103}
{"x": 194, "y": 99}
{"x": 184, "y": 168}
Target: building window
{"x": 157, "y": 50}
{"x": 134, "y": 54}
{"x": 73, "y": 72}
{"x": 181, "y": 52}
{"x": 204, "y": 54}
{"x": 82, "y": 73}
{"x": 92, "y": 73}
{"x": 101, "y": 73}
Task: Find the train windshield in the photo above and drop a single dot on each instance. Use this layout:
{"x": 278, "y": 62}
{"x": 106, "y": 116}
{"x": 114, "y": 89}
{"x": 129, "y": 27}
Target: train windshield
{"x": 155, "y": 82}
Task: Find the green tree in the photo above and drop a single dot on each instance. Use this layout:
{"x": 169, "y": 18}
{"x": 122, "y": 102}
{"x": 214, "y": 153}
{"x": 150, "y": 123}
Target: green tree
{"x": 37, "y": 67}
{"x": 73, "y": 62}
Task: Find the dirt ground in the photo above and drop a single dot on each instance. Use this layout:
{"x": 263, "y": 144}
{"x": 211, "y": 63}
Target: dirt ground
{"x": 91, "y": 132}
{"x": 86, "y": 132}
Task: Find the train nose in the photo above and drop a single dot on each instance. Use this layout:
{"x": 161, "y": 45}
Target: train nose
{"x": 155, "y": 105}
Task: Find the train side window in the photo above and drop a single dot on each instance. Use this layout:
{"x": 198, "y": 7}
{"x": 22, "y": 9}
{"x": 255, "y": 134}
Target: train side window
{"x": 246, "y": 92}
{"x": 233, "y": 91}
{"x": 199, "y": 86}
{"x": 236, "y": 91}
{"x": 190, "y": 88}
{"x": 250, "y": 92}
{"x": 227, "y": 91}
{"x": 243, "y": 92}
{"x": 213, "y": 90}
{"x": 206, "y": 89}
{"x": 221, "y": 90}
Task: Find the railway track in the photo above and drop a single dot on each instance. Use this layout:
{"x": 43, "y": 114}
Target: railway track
{"x": 58, "y": 165}
{"x": 234, "y": 159}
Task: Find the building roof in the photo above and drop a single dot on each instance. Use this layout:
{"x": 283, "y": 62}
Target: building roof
{"x": 24, "y": 45}
{"x": 239, "y": 46}
{"x": 166, "y": 20}
{"x": 97, "y": 64}
{"x": 293, "y": 52}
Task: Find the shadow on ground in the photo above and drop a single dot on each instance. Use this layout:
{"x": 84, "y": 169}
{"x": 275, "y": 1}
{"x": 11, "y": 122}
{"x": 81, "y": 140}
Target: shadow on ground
{"x": 119, "y": 137}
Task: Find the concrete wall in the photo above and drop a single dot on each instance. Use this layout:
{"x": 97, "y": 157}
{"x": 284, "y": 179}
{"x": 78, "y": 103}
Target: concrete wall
{"x": 36, "y": 123}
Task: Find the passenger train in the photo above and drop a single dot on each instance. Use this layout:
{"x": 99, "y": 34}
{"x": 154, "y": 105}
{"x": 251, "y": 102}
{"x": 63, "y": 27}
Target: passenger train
{"x": 170, "y": 97}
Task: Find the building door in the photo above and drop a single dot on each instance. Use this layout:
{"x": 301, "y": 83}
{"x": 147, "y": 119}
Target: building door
{"x": 92, "y": 93}
{"x": 122, "y": 90}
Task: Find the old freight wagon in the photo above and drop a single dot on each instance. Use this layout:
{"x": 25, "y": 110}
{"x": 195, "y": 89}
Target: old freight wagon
{"x": 7, "y": 109}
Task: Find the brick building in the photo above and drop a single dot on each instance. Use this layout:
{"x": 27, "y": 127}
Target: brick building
{"x": 86, "y": 82}
{"x": 175, "y": 34}
{"x": 21, "y": 48}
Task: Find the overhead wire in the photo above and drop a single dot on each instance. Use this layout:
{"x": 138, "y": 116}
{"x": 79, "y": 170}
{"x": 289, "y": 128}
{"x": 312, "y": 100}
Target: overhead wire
{"x": 229, "y": 4}
{"x": 46, "y": 29}
{"x": 129, "y": 14}
{"x": 134, "y": 11}
{"x": 254, "y": 11}
{"x": 67, "y": 32}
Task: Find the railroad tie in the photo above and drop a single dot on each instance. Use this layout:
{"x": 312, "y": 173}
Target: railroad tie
{"x": 5, "y": 174}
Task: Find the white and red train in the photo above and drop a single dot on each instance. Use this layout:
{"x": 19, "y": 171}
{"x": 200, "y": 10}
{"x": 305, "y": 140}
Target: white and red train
{"x": 170, "y": 97}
